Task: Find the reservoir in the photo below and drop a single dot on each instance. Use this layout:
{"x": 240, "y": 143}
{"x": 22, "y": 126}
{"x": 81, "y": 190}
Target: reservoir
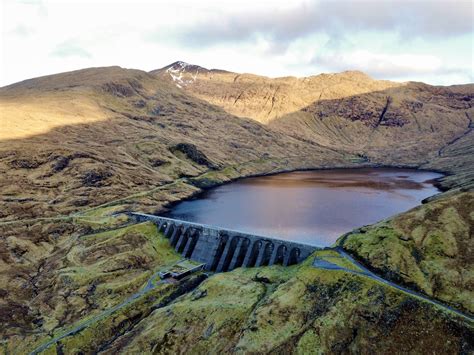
{"x": 313, "y": 207}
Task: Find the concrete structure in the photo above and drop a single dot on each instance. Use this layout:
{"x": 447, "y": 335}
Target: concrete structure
{"x": 181, "y": 269}
{"x": 224, "y": 250}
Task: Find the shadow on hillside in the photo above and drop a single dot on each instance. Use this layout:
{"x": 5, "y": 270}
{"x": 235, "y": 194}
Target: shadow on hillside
{"x": 408, "y": 125}
{"x": 140, "y": 147}
{"x": 80, "y": 165}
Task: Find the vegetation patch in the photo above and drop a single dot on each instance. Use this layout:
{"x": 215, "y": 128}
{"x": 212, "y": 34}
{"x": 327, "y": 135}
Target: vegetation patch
{"x": 428, "y": 249}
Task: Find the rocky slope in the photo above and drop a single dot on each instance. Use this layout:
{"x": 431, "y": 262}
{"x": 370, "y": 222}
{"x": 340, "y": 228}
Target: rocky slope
{"x": 77, "y": 148}
{"x": 265, "y": 99}
{"x": 383, "y": 122}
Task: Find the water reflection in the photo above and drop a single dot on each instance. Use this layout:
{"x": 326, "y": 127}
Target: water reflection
{"x": 313, "y": 207}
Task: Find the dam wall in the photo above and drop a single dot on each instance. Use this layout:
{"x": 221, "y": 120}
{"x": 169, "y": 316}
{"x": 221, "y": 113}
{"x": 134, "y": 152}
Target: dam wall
{"x": 224, "y": 250}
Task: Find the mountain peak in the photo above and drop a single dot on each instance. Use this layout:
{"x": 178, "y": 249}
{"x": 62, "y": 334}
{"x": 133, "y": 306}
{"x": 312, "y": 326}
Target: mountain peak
{"x": 182, "y": 73}
{"x": 182, "y": 66}
{"x": 178, "y": 64}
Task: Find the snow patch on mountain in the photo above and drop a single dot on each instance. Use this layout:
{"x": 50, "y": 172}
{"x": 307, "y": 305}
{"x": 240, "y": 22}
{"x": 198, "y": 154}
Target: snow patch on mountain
{"x": 183, "y": 74}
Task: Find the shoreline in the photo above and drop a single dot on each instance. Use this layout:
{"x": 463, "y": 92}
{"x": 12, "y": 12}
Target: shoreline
{"x": 437, "y": 183}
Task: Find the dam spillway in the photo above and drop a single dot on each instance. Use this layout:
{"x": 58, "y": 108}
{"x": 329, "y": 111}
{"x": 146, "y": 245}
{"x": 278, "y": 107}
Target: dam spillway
{"x": 223, "y": 249}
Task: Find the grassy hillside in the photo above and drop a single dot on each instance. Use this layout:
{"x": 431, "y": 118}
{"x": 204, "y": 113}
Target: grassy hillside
{"x": 266, "y": 99}
{"x": 295, "y": 310}
{"x": 131, "y": 134}
{"x": 429, "y": 248}
{"x": 78, "y": 148}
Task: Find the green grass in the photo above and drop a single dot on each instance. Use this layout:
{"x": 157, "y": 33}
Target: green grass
{"x": 116, "y": 286}
{"x": 334, "y": 257}
{"x": 425, "y": 249}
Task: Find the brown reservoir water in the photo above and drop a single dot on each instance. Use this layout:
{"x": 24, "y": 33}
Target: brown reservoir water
{"x": 313, "y": 207}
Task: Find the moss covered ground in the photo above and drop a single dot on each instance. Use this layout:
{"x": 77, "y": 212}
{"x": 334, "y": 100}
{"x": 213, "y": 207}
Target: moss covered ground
{"x": 429, "y": 248}
{"x": 96, "y": 272}
{"x": 298, "y": 309}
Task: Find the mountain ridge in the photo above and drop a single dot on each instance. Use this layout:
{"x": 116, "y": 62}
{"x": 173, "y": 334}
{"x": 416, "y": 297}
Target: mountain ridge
{"x": 348, "y": 72}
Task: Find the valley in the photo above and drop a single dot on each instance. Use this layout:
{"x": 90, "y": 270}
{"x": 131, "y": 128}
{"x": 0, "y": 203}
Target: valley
{"x": 79, "y": 149}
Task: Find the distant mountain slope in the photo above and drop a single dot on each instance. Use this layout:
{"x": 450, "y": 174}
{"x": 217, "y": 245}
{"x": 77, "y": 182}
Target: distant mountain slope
{"x": 406, "y": 124}
{"x": 118, "y": 131}
{"x": 383, "y": 122}
{"x": 265, "y": 99}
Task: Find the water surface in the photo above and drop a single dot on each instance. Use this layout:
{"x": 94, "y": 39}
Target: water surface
{"x": 313, "y": 207}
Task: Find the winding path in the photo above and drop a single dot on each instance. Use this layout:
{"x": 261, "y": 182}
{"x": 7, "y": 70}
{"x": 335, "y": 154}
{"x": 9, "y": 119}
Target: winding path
{"x": 323, "y": 264}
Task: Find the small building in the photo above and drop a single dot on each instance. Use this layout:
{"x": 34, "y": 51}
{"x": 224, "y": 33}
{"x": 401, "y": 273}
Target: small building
{"x": 181, "y": 269}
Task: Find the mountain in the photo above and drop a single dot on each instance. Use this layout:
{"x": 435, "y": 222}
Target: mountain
{"x": 387, "y": 123}
{"x": 78, "y": 149}
{"x": 265, "y": 99}
{"x": 184, "y": 74}
{"x": 119, "y": 131}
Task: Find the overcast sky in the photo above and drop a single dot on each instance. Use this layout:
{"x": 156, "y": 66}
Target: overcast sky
{"x": 421, "y": 40}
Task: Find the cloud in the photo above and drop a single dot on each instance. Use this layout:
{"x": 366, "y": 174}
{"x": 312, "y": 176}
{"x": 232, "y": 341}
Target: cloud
{"x": 268, "y": 37}
{"x": 38, "y": 4}
{"x": 410, "y": 19}
{"x": 22, "y": 31}
{"x": 30, "y": 2}
{"x": 70, "y": 48}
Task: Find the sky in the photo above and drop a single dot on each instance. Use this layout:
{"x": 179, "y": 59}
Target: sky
{"x": 419, "y": 40}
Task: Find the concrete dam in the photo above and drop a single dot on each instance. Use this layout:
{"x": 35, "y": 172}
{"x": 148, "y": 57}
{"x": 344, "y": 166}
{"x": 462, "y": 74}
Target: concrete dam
{"x": 224, "y": 250}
